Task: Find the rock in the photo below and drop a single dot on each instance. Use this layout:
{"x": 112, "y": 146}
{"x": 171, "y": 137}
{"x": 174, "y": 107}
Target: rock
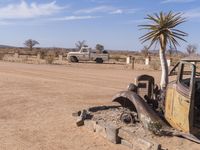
{"x": 81, "y": 118}
{"x": 112, "y": 133}
{"x": 90, "y": 124}
{"x": 100, "y": 128}
{"x": 138, "y": 142}
{"x": 126, "y": 135}
{"x": 76, "y": 114}
{"x": 79, "y": 122}
{"x": 83, "y": 114}
{"x": 126, "y": 143}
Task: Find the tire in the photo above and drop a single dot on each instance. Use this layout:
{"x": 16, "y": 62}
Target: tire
{"x": 99, "y": 60}
{"x": 73, "y": 59}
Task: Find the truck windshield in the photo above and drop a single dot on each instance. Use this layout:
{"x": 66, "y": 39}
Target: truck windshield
{"x": 84, "y": 50}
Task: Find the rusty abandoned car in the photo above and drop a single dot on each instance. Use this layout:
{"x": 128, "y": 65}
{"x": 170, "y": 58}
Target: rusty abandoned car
{"x": 180, "y": 109}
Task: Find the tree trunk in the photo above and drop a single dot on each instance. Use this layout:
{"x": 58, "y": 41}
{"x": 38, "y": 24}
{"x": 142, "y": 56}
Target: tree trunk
{"x": 31, "y": 48}
{"x": 164, "y": 76}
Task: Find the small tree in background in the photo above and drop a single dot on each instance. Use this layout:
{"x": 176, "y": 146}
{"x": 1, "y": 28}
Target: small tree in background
{"x": 145, "y": 51}
{"x": 191, "y": 49}
{"x": 171, "y": 51}
{"x": 31, "y": 43}
{"x": 99, "y": 48}
{"x": 80, "y": 44}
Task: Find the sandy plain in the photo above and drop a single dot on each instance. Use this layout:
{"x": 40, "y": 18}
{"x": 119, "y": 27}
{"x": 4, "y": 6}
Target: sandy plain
{"x": 36, "y": 103}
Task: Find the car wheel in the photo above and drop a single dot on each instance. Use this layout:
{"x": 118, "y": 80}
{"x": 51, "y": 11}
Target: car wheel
{"x": 99, "y": 60}
{"x": 73, "y": 59}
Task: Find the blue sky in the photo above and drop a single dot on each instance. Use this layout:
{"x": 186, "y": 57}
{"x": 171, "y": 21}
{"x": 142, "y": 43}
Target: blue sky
{"x": 113, "y": 23}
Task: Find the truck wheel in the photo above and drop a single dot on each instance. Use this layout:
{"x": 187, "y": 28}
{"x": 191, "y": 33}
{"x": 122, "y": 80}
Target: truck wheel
{"x": 73, "y": 59}
{"x": 99, "y": 60}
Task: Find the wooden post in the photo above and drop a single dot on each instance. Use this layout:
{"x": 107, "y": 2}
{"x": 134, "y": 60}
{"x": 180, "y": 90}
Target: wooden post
{"x": 16, "y": 56}
{"x": 133, "y": 63}
{"x": 128, "y": 60}
{"x": 60, "y": 57}
{"x": 38, "y": 56}
{"x": 169, "y": 62}
{"x": 147, "y": 60}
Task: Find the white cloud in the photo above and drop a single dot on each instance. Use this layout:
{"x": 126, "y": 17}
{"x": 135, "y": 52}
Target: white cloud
{"x": 132, "y": 11}
{"x": 177, "y": 1}
{"x": 193, "y": 13}
{"x": 118, "y": 11}
{"x": 106, "y": 9}
{"x": 137, "y": 22}
{"x": 98, "y": 9}
{"x": 24, "y": 10}
{"x": 68, "y": 18}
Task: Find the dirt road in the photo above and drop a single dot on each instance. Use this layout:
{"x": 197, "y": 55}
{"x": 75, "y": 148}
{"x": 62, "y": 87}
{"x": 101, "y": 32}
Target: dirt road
{"x": 36, "y": 103}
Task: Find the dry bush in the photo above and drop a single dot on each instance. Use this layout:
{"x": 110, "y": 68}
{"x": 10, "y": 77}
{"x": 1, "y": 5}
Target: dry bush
{"x": 1, "y": 56}
{"x": 139, "y": 60}
{"x": 42, "y": 54}
{"x": 175, "y": 60}
{"x": 116, "y": 58}
{"x": 50, "y": 57}
{"x": 155, "y": 65}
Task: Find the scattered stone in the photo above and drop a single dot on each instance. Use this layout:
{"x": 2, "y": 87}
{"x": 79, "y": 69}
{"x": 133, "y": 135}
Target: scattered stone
{"x": 138, "y": 142}
{"x": 79, "y": 122}
{"x": 76, "y": 114}
{"x": 126, "y": 143}
{"x": 126, "y": 135}
{"x": 81, "y": 118}
{"x": 112, "y": 133}
{"x": 90, "y": 124}
{"x": 100, "y": 128}
{"x": 105, "y": 121}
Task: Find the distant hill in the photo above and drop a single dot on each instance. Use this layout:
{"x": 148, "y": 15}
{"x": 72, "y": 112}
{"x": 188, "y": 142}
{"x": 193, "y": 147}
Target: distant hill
{"x": 173, "y": 52}
{"x": 6, "y": 46}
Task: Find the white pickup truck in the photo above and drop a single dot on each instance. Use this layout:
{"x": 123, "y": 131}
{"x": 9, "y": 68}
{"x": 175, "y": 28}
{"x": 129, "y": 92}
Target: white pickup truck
{"x": 86, "y": 54}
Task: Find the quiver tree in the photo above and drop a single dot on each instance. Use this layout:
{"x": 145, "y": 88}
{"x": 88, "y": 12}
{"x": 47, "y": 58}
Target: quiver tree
{"x": 162, "y": 31}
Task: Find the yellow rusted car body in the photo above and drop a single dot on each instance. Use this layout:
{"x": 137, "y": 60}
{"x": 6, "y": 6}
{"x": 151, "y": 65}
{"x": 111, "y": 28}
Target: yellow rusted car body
{"x": 178, "y": 108}
{"x": 182, "y": 99}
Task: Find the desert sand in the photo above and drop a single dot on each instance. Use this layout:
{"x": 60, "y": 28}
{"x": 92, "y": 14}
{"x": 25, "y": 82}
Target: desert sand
{"x": 36, "y": 103}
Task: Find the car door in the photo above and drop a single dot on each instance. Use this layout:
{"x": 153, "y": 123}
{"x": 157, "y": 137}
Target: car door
{"x": 180, "y": 98}
{"x": 85, "y": 54}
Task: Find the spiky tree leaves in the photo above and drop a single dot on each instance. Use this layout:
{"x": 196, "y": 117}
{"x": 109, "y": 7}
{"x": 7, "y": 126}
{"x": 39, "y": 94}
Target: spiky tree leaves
{"x": 163, "y": 26}
{"x": 162, "y": 31}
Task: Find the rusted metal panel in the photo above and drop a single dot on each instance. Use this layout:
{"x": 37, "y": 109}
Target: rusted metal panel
{"x": 145, "y": 85}
{"x": 145, "y": 113}
{"x": 177, "y": 108}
